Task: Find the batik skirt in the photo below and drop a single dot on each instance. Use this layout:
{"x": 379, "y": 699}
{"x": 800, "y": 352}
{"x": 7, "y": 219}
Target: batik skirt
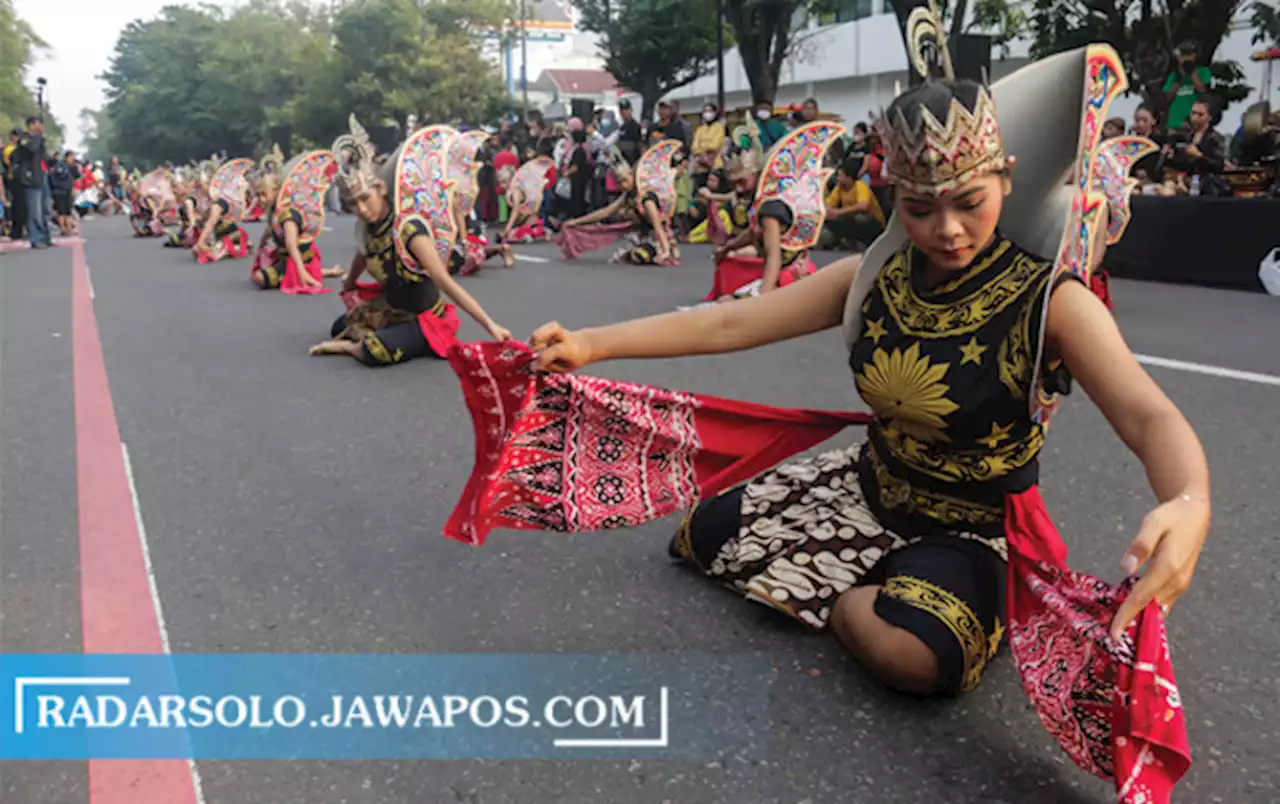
{"x": 388, "y": 335}
{"x": 799, "y": 536}
{"x": 144, "y": 226}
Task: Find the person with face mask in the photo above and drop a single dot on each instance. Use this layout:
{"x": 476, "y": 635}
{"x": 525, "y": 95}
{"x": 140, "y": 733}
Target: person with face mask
{"x": 771, "y": 128}
{"x": 708, "y": 146}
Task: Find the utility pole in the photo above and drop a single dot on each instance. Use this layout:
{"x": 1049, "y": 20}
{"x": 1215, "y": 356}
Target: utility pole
{"x": 720, "y": 59}
{"x": 524, "y": 53}
{"x": 40, "y": 84}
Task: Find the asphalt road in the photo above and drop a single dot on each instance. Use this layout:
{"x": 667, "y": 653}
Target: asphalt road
{"x": 294, "y": 504}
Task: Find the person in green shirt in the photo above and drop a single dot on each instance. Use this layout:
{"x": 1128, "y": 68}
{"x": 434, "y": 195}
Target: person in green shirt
{"x": 1185, "y": 84}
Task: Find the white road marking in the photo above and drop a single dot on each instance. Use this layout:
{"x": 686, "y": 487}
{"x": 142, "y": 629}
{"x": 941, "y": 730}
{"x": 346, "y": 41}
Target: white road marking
{"x": 88, "y": 277}
{"x": 1214, "y": 371}
{"x": 527, "y": 258}
{"x": 155, "y": 594}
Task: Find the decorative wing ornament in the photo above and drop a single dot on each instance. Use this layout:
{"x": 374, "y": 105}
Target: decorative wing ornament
{"x": 527, "y": 187}
{"x": 302, "y": 190}
{"x": 1113, "y": 161}
{"x": 157, "y": 186}
{"x": 424, "y": 190}
{"x": 231, "y": 184}
{"x": 1099, "y": 188}
{"x": 464, "y": 169}
{"x": 794, "y": 175}
{"x": 654, "y": 174}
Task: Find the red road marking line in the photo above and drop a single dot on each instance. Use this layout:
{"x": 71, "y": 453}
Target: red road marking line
{"x": 117, "y": 613}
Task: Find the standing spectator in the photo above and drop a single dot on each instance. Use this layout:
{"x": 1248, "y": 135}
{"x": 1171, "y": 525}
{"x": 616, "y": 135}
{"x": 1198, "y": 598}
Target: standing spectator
{"x": 487, "y": 181}
{"x": 629, "y": 134}
{"x": 668, "y": 124}
{"x": 33, "y": 165}
{"x": 63, "y": 177}
{"x": 17, "y": 196}
{"x": 1186, "y": 83}
{"x": 856, "y": 153}
{"x": 115, "y": 178}
{"x": 771, "y": 129}
{"x": 708, "y": 145}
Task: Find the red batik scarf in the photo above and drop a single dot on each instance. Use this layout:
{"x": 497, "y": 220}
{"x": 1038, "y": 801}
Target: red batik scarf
{"x": 575, "y": 454}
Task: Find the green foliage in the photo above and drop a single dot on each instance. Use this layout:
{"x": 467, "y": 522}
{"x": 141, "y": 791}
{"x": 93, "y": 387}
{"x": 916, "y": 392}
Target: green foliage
{"x": 200, "y": 79}
{"x": 1266, "y": 24}
{"x": 652, "y": 46}
{"x": 765, "y": 31}
{"x": 19, "y": 45}
{"x": 1145, "y": 34}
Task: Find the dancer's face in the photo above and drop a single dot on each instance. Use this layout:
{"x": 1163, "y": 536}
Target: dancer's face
{"x": 953, "y": 228}
{"x": 371, "y": 203}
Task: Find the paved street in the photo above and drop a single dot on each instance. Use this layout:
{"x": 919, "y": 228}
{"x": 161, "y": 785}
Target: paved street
{"x": 294, "y": 504}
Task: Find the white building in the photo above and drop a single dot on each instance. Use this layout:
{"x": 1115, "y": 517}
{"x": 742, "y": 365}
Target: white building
{"x": 552, "y": 41}
{"x": 853, "y": 63}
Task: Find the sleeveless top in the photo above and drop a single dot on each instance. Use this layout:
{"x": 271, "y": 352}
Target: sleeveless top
{"x": 779, "y": 211}
{"x": 946, "y": 372}
{"x": 224, "y": 227}
{"x": 403, "y": 288}
{"x": 306, "y": 248}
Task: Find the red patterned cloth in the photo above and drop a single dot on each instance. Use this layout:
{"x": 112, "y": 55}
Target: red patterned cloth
{"x": 1100, "y": 284}
{"x": 232, "y": 246}
{"x": 733, "y": 273}
{"x": 473, "y": 259}
{"x": 575, "y": 454}
{"x": 716, "y": 232}
{"x": 529, "y": 232}
{"x": 574, "y": 241}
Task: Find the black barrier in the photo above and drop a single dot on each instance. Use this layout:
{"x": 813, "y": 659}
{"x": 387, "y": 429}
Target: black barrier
{"x": 1216, "y": 242}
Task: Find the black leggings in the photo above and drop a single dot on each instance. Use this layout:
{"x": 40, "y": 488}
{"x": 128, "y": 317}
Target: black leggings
{"x": 398, "y": 343}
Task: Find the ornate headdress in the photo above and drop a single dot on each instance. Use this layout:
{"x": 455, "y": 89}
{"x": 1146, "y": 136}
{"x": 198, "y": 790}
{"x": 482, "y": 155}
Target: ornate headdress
{"x": 655, "y": 175}
{"x": 231, "y": 185}
{"x": 743, "y": 163}
{"x": 355, "y": 153}
{"x": 925, "y": 154}
{"x": 794, "y": 175}
{"x": 270, "y": 164}
{"x": 463, "y": 167}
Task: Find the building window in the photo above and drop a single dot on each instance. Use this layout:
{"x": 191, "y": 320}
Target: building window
{"x": 847, "y": 11}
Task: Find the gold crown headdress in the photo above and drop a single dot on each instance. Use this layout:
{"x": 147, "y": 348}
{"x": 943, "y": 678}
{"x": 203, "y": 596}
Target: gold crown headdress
{"x": 923, "y": 153}
{"x": 208, "y": 168}
{"x": 355, "y": 153}
{"x": 743, "y": 163}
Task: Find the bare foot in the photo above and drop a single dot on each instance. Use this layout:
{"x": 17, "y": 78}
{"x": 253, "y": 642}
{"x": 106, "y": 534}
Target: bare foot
{"x": 334, "y": 271}
{"x": 508, "y": 256}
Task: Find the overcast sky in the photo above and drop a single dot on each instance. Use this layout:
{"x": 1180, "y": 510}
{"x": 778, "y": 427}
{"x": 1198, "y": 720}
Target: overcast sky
{"x": 82, "y": 36}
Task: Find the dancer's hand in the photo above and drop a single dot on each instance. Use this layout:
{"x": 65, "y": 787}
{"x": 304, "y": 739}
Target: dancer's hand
{"x": 568, "y": 223}
{"x": 720, "y": 253}
{"x": 499, "y": 332}
{"x": 559, "y": 350}
{"x": 1169, "y": 544}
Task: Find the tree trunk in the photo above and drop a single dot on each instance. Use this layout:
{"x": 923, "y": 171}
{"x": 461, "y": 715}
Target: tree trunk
{"x": 753, "y": 35}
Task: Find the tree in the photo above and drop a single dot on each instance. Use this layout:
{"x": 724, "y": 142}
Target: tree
{"x": 19, "y": 44}
{"x": 1144, "y": 33}
{"x": 652, "y": 46}
{"x": 97, "y": 134}
{"x": 767, "y": 32}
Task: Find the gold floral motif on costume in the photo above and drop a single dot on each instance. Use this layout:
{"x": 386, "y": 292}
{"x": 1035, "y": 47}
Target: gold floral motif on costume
{"x": 907, "y": 391}
{"x": 1015, "y": 357}
{"x": 876, "y": 330}
{"x": 963, "y": 466}
{"x": 953, "y": 613}
{"x": 898, "y": 494}
{"x": 972, "y": 351}
{"x": 922, "y": 319}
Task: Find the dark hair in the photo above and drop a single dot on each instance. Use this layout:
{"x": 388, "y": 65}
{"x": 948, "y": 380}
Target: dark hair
{"x": 624, "y": 104}
{"x": 860, "y": 127}
{"x": 850, "y": 167}
{"x": 579, "y": 137}
{"x": 1142, "y": 107}
{"x": 808, "y": 101}
{"x": 711, "y": 106}
{"x": 34, "y": 119}
{"x": 936, "y": 96}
